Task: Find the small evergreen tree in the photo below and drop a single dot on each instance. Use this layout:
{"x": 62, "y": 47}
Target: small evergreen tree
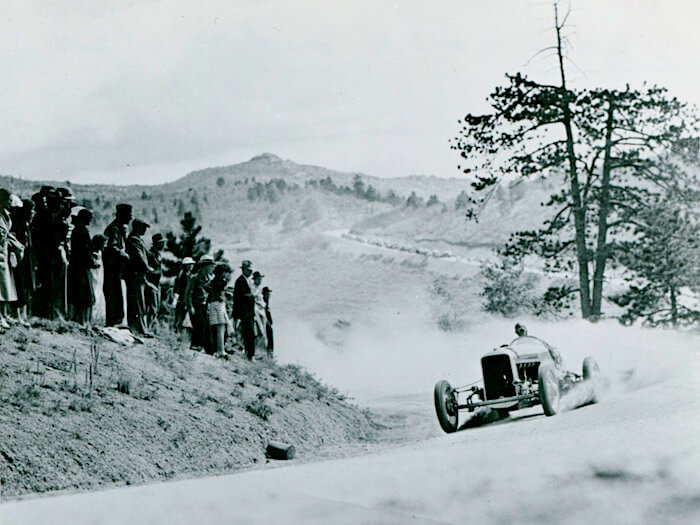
{"x": 664, "y": 265}
{"x": 188, "y": 244}
{"x": 358, "y": 187}
{"x": 463, "y": 201}
{"x": 507, "y": 290}
{"x": 413, "y": 201}
{"x": 372, "y": 194}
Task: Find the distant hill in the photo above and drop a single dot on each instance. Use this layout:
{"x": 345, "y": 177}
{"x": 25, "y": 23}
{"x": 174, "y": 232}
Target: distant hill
{"x": 268, "y": 166}
{"x": 258, "y": 200}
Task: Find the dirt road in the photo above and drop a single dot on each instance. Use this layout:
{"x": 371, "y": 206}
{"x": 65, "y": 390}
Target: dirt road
{"x": 632, "y": 459}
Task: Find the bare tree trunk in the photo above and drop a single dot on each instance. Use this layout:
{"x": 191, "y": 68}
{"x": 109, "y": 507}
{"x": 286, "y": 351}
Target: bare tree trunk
{"x": 674, "y": 307}
{"x": 601, "y": 254}
{"x": 579, "y": 209}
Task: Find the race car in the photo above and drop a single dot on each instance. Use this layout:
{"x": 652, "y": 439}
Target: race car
{"x": 524, "y": 373}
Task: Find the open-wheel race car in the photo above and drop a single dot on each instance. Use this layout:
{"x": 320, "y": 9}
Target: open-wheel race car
{"x": 524, "y": 373}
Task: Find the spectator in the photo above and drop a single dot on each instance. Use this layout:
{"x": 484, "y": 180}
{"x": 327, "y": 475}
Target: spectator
{"x": 41, "y": 235}
{"x": 181, "y": 282}
{"x": 24, "y": 277}
{"x": 196, "y": 297}
{"x": 216, "y": 308}
{"x": 97, "y": 272}
{"x": 137, "y": 270}
{"x": 268, "y": 320}
{"x": 60, "y": 250}
{"x": 115, "y": 260}
{"x": 81, "y": 293}
{"x": 260, "y": 322}
{"x": 155, "y": 261}
{"x": 244, "y": 308}
{"x": 10, "y": 248}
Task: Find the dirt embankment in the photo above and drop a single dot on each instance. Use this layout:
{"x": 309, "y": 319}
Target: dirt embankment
{"x": 79, "y": 412}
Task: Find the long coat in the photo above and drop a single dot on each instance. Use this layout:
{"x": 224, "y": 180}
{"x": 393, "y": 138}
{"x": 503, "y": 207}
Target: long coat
{"x": 8, "y": 292}
{"x": 114, "y": 258}
{"x": 80, "y": 285}
{"x": 135, "y": 282}
{"x": 25, "y": 282}
{"x": 243, "y": 299}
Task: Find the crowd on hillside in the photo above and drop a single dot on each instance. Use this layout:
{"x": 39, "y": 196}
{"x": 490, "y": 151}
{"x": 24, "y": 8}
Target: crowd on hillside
{"x": 51, "y": 267}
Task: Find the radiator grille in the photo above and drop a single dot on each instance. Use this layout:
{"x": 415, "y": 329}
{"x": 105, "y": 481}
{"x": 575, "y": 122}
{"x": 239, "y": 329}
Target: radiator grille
{"x": 498, "y": 376}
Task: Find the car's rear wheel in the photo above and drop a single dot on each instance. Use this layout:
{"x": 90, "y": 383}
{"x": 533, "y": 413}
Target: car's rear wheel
{"x": 548, "y": 388}
{"x": 591, "y": 374}
{"x": 446, "y": 406}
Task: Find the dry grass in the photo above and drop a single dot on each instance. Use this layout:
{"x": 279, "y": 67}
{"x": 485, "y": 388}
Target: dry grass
{"x": 148, "y": 412}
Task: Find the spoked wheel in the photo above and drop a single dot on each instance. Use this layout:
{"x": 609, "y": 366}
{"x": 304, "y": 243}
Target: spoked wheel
{"x": 591, "y": 374}
{"x": 446, "y": 406}
{"x": 548, "y": 388}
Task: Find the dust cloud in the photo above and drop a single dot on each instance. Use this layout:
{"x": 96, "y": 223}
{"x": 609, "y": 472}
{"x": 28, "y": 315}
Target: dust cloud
{"x": 403, "y": 355}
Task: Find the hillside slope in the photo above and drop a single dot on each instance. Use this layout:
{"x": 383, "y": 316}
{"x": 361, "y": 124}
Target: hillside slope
{"x": 80, "y": 412}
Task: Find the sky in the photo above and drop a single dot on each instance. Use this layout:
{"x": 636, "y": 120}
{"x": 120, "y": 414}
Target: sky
{"x": 146, "y": 91}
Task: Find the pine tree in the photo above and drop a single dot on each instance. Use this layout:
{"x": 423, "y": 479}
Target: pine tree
{"x": 664, "y": 266}
{"x": 358, "y": 187}
{"x": 188, "y": 244}
{"x": 614, "y": 147}
{"x": 433, "y": 200}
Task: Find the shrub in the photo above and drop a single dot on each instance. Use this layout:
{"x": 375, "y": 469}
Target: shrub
{"x": 507, "y": 289}
{"x": 259, "y": 407}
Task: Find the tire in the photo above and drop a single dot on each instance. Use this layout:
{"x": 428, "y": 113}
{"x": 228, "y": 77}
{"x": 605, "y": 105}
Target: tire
{"x": 548, "y": 388}
{"x": 591, "y": 374}
{"x": 446, "y": 407}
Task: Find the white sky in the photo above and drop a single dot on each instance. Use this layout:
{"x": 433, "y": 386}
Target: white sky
{"x": 145, "y": 91}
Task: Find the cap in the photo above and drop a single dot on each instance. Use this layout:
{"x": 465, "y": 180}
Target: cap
{"x": 123, "y": 208}
{"x": 137, "y": 222}
{"x": 246, "y": 264}
{"x": 188, "y": 260}
{"x": 157, "y": 237}
{"x": 266, "y": 289}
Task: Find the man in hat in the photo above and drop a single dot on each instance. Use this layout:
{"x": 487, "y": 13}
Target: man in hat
{"x": 40, "y": 232}
{"x": 244, "y": 308}
{"x": 155, "y": 261}
{"x": 115, "y": 260}
{"x": 181, "y": 283}
{"x": 196, "y": 297}
{"x": 137, "y": 270}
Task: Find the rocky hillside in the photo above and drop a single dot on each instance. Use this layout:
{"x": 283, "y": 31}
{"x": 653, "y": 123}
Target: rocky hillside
{"x": 77, "y": 411}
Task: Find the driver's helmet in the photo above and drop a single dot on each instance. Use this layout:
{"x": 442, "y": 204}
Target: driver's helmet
{"x": 520, "y": 330}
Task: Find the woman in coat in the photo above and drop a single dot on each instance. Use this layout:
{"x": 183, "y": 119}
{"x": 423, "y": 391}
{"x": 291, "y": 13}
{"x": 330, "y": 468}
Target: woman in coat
{"x": 81, "y": 294}
{"x": 9, "y": 248}
{"x": 25, "y": 283}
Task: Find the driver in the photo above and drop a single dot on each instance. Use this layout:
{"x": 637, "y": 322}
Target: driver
{"x": 521, "y": 331}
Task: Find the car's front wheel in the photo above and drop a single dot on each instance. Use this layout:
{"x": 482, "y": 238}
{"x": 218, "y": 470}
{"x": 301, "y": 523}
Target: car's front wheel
{"x": 548, "y": 388}
{"x": 446, "y": 406}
